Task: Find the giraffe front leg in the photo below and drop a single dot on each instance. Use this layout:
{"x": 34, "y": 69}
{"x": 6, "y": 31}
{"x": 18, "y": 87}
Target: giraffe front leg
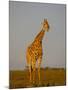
{"x": 39, "y": 63}
{"x": 30, "y": 72}
{"x": 39, "y": 73}
{"x": 33, "y": 67}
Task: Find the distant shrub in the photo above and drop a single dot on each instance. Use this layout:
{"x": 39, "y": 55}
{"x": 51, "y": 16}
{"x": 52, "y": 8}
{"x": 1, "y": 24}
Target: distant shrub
{"x": 47, "y": 68}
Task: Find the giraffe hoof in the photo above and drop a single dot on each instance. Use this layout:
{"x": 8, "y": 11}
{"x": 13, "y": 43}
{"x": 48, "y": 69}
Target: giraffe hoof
{"x": 39, "y": 84}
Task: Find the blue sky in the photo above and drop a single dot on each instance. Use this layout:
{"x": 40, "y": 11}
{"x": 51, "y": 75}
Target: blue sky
{"x": 24, "y": 24}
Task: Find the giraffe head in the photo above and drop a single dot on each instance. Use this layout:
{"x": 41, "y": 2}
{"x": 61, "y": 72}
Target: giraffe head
{"x": 45, "y": 25}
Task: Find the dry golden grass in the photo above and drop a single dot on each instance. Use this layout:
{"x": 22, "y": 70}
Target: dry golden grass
{"x": 49, "y": 77}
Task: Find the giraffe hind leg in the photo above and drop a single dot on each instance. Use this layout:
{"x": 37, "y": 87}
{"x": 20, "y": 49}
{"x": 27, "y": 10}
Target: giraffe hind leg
{"x": 30, "y": 74}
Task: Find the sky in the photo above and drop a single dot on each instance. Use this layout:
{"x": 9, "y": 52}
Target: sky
{"x": 25, "y": 20}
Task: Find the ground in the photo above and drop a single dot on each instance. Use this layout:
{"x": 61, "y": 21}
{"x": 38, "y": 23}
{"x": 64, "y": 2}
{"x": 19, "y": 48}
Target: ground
{"x": 49, "y": 77}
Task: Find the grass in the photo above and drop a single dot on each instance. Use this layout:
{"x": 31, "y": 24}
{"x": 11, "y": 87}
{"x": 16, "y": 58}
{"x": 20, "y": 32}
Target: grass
{"x": 49, "y": 77}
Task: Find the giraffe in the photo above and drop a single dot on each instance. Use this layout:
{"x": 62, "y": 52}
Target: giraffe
{"x": 34, "y": 52}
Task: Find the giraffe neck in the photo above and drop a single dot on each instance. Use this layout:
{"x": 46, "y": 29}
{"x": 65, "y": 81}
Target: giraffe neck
{"x": 40, "y": 36}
